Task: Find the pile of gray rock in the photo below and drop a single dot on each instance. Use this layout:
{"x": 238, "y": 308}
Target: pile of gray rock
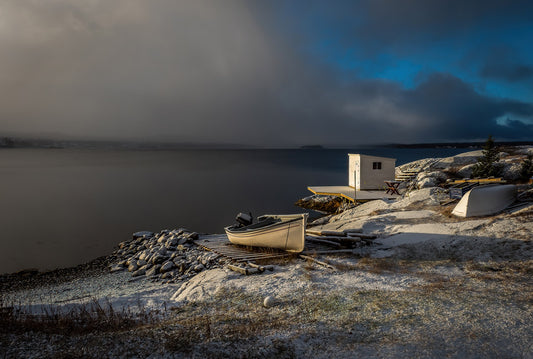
{"x": 168, "y": 256}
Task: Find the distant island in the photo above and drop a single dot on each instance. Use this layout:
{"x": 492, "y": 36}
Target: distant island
{"x": 312, "y": 147}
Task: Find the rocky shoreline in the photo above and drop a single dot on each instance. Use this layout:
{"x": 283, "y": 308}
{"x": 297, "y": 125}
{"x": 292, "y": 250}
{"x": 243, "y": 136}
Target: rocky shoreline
{"x": 454, "y": 286}
{"x": 30, "y": 278}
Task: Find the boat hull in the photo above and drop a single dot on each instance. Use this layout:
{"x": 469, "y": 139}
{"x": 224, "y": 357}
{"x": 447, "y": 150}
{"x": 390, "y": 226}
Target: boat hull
{"x": 288, "y": 234}
{"x": 485, "y": 200}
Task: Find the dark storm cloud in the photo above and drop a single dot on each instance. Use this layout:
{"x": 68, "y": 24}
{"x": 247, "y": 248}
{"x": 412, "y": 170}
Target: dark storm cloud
{"x": 375, "y": 23}
{"x": 440, "y": 108}
{"x": 454, "y": 109}
{"x": 232, "y": 71}
{"x": 508, "y": 72}
{"x": 501, "y": 62}
{"x": 505, "y": 65}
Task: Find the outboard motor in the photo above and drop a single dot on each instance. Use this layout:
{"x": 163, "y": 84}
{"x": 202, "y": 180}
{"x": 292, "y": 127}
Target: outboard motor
{"x": 244, "y": 219}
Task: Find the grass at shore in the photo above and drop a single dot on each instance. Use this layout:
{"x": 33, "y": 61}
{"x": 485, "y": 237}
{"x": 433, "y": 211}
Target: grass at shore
{"x": 486, "y": 312}
{"x": 476, "y": 313}
{"x": 79, "y": 320}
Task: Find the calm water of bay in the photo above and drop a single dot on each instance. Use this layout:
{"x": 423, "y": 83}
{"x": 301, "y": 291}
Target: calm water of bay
{"x": 62, "y": 207}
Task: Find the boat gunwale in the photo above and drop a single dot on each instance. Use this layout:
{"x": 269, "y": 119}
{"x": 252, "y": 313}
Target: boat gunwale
{"x": 261, "y": 231}
{"x": 244, "y": 230}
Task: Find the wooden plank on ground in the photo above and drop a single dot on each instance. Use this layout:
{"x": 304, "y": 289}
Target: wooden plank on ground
{"x": 326, "y": 233}
{"x": 363, "y": 236}
{"x": 322, "y": 241}
{"x": 327, "y": 265}
{"x": 337, "y": 239}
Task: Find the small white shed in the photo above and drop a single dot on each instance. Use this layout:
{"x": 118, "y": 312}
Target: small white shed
{"x": 370, "y": 172}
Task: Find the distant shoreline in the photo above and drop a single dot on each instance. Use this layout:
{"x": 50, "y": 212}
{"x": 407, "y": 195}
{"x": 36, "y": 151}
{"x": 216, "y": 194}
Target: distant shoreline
{"x": 15, "y": 142}
{"x": 458, "y": 145}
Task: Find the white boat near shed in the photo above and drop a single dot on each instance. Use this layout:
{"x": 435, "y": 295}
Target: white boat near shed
{"x": 485, "y": 200}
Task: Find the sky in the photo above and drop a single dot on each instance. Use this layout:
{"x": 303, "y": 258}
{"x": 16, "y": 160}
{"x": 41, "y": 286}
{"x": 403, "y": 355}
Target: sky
{"x": 267, "y": 73}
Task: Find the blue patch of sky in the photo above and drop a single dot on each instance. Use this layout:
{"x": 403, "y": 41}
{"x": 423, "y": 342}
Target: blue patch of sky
{"x": 386, "y": 65}
{"x": 446, "y": 56}
{"x": 327, "y": 39}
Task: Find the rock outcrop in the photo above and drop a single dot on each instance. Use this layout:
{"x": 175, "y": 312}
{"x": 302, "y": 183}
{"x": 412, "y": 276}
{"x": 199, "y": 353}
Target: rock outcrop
{"x": 325, "y": 204}
{"x": 435, "y": 171}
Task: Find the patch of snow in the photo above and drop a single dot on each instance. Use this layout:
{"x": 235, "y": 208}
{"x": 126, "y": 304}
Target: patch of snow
{"x": 117, "y": 290}
{"x": 284, "y": 281}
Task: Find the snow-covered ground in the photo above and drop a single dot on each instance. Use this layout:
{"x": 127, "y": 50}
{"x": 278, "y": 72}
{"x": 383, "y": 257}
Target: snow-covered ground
{"x": 402, "y": 232}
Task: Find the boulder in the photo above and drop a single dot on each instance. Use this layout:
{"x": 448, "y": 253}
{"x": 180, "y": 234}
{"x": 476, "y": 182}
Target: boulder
{"x": 167, "y": 275}
{"x": 157, "y": 258}
{"x": 193, "y": 235}
{"x": 172, "y": 242}
{"x": 180, "y": 231}
{"x": 139, "y": 272}
{"x": 199, "y": 267}
{"x": 430, "y": 179}
{"x": 153, "y": 271}
{"x": 426, "y": 182}
{"x": 183, "y": 240}
{"x": 144, "y": 255}
{"x": 167, "y": 266}
{"x": 461, "y": 159}
{"x": 269, "y": 301}
{"x": 133, "y": 267}
{"x": 511, "y": 171}
{"x": 116, "y": 268}
{"x": 466, "y": 171}
{"x": 181, "y": 266}
{"x": 142, "y": 234}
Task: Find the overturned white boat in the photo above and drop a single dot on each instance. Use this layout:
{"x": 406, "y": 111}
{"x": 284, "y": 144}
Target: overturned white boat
{"x": 286, "y": 232}
{"x": 485, "y": 200}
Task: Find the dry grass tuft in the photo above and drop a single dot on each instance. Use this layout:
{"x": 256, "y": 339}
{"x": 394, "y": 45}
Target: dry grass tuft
{"x": 382, "y": 265}
{"x": 505, "y": 271}
{"x": 346, "y": 267}
{"x": 280, "y": 261}
{"x": 81, "y": 319}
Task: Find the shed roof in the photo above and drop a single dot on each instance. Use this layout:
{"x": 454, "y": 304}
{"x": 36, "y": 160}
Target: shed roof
{"x": 373, "y": 157}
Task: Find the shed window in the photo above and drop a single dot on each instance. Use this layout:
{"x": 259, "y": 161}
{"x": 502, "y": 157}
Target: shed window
{"x": 376, "y": 165}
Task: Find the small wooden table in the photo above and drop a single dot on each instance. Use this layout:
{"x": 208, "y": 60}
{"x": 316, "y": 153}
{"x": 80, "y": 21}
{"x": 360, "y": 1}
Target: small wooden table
{"x": 392, "y": 187}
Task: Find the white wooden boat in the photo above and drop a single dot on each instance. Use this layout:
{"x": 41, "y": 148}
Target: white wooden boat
{"x": 285, "y": 232}
{"x": 485, "y": 200}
